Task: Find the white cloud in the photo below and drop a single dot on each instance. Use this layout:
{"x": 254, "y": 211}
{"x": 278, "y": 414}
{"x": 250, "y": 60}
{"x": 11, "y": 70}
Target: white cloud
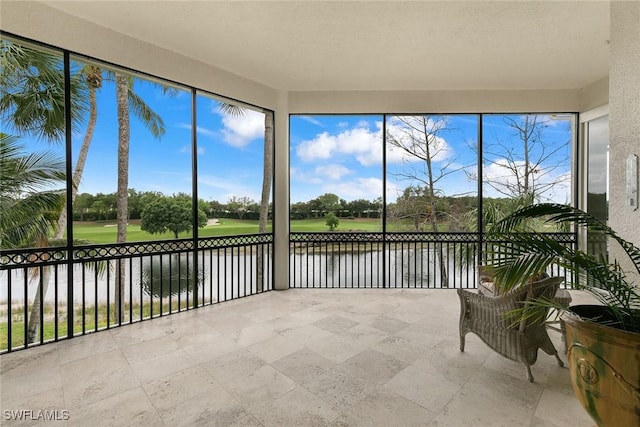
{"x": 365, "y": 145}
{"x": 321, "y": 147}
{"x": 239, "y": 131}
{"x": 333, "y": 171}
{"x": 298, "y": 176}
{"x": 501, "y": 173}
{"x": 404, "y": 132}
{"x": 206, "y": 132}
{"x": 222, "y": 188}
{"x": 311, "y": 120}
{"x": 186, "y": 149}
{"x": 360, "y": 188}
{"x": 200, "y": 130}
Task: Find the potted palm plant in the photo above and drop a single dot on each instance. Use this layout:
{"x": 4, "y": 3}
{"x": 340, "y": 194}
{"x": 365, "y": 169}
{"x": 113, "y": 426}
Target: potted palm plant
{"x": 603, "y": 340}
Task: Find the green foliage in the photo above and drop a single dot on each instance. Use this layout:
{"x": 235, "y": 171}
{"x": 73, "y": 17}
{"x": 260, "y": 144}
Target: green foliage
{"x": 525, "y": 254}
{"x": 29, "y": 209}
{"x": 170, "y": 214}
{"x": 32, "y": 93}
{"x": 331, "y": 220}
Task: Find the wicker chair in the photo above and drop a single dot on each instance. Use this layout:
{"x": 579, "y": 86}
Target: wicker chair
{"x": 517, "y": 339}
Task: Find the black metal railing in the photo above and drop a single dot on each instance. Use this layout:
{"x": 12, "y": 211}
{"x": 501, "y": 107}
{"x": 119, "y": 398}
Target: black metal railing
{"x": 54, "y": 293}
{"x": 393, "y": 260}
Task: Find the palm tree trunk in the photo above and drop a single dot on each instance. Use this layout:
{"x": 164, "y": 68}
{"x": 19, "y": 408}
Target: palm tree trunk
{"x": 267, "y": 175}
{"x": 36, "y": 308}
{"x": 82, "y": 158}
{"x": 122, "y": 91}
{"x": 43, "y": 278}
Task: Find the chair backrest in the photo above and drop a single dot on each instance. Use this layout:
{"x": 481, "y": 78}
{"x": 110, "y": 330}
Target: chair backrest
{"x": 544, "y": 289}
{"x": 486, "y": 280}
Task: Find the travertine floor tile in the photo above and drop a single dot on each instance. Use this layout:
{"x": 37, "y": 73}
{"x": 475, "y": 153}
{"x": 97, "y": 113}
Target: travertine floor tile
{"x": 298, "y": 407}
{"x": 560, "y": 409}
{"x": 428, "y": 389}
{"x": 340, "y": 389}
{"x": 303, "y": 365}
{"x": 294, "y": 358}
{"x": 386, "y": 408}
{"x": 130, "y": 408}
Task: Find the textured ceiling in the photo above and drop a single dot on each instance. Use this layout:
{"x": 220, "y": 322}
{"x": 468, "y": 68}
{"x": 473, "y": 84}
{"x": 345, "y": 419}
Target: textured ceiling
{"x": 380, "y": 45}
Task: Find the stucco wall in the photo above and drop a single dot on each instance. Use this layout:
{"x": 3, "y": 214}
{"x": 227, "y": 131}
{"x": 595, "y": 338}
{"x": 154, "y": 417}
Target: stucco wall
{"x": 595, "y": 95}
{"x": 624, "y": 112}
{"x": 43, "y": 23}
{"x": 469, "y": 101}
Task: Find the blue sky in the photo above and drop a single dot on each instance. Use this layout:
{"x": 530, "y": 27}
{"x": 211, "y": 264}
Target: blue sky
{"x": 340, "y": 154}
{"x": 343, "y": 155}
{"x": 229, "y": 148}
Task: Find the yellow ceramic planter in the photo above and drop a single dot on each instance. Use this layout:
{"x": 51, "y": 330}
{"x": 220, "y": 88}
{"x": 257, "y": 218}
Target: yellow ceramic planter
{"x": 605, "y": 368}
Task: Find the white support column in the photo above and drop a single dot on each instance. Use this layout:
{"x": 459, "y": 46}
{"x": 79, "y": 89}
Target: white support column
{"x": 281, "y": 193}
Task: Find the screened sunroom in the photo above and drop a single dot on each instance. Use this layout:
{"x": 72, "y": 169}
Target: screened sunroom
{"x": 189, "y": 159}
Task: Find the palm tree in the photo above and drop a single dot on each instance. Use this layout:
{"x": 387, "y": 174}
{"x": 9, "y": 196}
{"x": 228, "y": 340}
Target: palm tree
{"x": 522, "y": 255}
{"x": 25, "y": 201}
{"x": 29, "y": 207}
{"x": 267, "y": 171}
{"x": 93, "y": 78}
{"x": 32, "y": 100}
{"x": 128, "y": 101}
{"x": 267, "y": 176}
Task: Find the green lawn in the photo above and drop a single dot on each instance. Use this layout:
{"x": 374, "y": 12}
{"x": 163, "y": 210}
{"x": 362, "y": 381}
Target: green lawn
{"x": 105, "y": 231}
{"x": 318, "y": 224}
{"x": 17, "y": 326}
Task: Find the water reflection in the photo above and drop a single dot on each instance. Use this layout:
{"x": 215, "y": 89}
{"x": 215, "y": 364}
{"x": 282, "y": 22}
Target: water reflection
{"x": 169, "y": 275}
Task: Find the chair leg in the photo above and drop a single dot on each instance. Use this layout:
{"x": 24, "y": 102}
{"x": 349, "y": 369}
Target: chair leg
{"x": 461, "y": 342}
{"x": 529, "y": 374}
{"x": 560, "y": 362}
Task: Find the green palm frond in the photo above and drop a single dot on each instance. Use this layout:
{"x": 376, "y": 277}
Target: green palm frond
{"x": 149, "y": 118}
{"x": 32, "y": 100}
{"x": 27, "y": 202}
{"x": 520, "y": 255}
{"x": 232, "y": 109}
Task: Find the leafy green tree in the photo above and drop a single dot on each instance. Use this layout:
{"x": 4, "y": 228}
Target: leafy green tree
{"x": 327, "y": 202}
{"x": 331, "y": 220}
{"x": 240, "y": 205}
{"x": 82, "y": 205}
{"x": 216, "y": 208}
{"x": 170, "y": 214}
{"x": 300, "y": 210}
{"x": 358, "y": 207}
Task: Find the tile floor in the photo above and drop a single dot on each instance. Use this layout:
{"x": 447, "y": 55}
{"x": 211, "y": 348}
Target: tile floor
{"x": 291, "y": 358}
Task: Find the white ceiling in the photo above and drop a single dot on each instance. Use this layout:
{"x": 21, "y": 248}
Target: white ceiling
{"x": 379, "y": 45}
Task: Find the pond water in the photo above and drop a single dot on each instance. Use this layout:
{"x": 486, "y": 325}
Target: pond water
{"x": 226, "y": 277}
